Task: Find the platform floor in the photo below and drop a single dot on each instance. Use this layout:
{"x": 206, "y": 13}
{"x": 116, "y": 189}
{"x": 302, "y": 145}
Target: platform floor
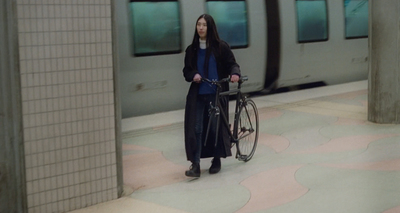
{"x": 317, "y": 153}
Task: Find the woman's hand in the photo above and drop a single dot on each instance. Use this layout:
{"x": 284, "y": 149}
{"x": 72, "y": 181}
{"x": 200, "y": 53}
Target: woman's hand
{"x": 197, "y": 78}
{"x": 234, "y": 78}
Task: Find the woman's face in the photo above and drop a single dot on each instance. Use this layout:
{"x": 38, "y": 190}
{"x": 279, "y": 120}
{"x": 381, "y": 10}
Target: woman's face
{"x": 202, "y": 28}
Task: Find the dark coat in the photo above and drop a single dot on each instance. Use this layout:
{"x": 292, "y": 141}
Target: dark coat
{"x": 226, "y": 65}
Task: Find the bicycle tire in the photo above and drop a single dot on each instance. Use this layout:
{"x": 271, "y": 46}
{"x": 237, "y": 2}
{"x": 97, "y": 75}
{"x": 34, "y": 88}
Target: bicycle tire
{"x": 247, "y": 130}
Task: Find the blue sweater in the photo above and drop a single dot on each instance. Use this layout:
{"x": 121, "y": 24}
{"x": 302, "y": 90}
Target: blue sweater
{"x": 206, "y": 88}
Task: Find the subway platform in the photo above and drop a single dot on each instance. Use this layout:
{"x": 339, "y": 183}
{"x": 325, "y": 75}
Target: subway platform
{"x": 317, "y": 153}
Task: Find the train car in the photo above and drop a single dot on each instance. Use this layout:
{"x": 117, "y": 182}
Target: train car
{"x": 277, "y": 43}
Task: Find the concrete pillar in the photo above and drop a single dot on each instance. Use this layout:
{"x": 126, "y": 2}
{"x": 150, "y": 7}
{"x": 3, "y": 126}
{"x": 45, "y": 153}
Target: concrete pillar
{"x": 67, "y": 82}
{"x": 12, "y": 174}
{"x": 384, "y": 63}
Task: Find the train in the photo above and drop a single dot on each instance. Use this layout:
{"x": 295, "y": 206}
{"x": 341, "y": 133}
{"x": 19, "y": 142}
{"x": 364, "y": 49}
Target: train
{"x": 277, "y": 43}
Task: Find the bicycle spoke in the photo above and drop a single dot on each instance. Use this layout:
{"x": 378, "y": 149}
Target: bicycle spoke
{"x": 247, "y": 131}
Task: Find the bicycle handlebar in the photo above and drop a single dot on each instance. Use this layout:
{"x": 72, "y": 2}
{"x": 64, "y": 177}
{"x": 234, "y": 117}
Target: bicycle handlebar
{"x": 241, "y": 80}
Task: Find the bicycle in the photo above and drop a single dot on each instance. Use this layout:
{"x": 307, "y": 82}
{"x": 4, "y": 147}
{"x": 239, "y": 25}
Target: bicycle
{"x": 245, "y": 127}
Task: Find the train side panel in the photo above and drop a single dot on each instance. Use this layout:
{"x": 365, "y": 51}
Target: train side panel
{"x": 151, "y": 84}
{"x": 336, "y": 60}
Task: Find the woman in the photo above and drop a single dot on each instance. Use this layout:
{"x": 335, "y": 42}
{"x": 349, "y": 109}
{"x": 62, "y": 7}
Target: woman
{"x": 209, "y": 57}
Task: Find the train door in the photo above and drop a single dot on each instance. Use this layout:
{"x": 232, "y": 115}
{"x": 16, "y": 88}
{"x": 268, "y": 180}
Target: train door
{"x": 273, "y": 43}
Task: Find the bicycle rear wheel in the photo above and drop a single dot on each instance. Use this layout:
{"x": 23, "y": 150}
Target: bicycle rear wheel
{"x": 247, "y": 130}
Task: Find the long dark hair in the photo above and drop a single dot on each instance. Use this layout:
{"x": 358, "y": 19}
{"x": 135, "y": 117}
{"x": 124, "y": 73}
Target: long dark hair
{"x": 212, "y": 42}
{"x": 212, "y": 33}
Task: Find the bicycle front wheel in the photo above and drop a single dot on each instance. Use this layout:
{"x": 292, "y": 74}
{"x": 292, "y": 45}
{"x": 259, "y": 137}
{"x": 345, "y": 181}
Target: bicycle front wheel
{"x": 247, "y": 130}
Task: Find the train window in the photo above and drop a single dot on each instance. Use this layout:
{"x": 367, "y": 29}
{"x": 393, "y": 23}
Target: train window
{"x": 156, "y": 27}
{"x": 231, "y": 20}
{"x": 356, "y": 16}
{"x": 312, "y": 21}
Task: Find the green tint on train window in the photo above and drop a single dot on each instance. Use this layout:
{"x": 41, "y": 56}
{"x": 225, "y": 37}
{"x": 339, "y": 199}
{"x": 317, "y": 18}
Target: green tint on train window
{"x": 156, "y": 27}
{"x": 312, "y": 21}
{"x": 231, "y": 20}
{"x": 356, "y": 18}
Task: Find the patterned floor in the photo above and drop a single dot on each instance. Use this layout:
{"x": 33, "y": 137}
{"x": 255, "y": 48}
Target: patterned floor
{"x": 317, "y": 153}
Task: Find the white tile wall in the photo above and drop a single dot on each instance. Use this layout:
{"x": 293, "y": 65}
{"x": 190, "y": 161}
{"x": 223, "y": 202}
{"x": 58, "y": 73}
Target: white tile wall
{"x": 68, "y": 103}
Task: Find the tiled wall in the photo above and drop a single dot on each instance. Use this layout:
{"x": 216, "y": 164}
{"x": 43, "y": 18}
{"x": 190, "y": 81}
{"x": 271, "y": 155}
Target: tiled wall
{"x": 66, "y": 68}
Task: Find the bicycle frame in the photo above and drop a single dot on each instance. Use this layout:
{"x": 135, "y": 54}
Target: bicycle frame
{"x": 215, "y": 110}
